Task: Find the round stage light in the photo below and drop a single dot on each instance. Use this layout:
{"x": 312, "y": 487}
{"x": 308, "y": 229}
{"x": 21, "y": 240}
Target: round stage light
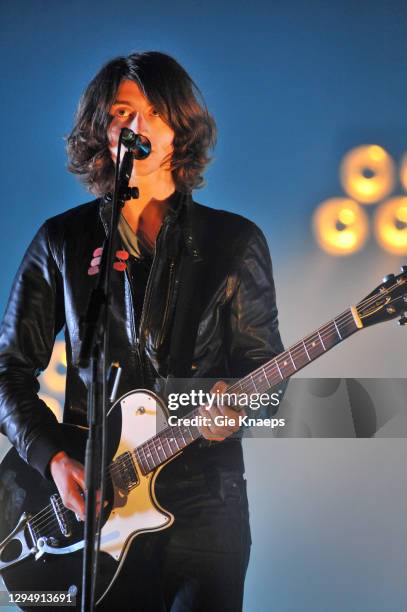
{"x": 403, "y": 171}
{"x": 390, "y": 225}
{"x": 341, "y": 226}
{"x": 368, "y": 173}
{"x": 55, "y": 374}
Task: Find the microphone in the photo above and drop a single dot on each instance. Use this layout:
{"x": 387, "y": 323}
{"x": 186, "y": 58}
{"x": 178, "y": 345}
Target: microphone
{"x": 139, "y": 145}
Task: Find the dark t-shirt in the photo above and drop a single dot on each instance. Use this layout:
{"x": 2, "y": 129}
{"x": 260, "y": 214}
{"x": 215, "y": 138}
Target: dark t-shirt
{"x": 139, "y": 265}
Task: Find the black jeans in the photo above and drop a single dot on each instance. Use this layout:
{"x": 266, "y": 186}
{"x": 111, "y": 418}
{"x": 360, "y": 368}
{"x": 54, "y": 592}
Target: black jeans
{"x": 198, "y": 564}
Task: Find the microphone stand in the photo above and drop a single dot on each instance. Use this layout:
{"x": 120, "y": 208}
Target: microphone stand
{"x": 95, "y": 327}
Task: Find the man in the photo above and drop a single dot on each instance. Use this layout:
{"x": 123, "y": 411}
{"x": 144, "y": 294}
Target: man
{"x": 197, "y": 301}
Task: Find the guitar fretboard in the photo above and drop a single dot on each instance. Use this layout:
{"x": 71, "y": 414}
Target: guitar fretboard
{"x": 173, "y": 439}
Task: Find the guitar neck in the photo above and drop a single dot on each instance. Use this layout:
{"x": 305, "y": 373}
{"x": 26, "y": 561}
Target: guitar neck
{"x": 173, "y": 439}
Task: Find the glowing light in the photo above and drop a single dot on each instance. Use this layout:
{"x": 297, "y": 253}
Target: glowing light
{"x": 341, "y": 226}
{"x": 54, "y": 375}
{"x": 403, "y": 171}
{"x": 390, "y": 225}
{"x": 368, "y": 173}
{"x": 377, "y": 153}
{"x": 53, "y": 404}
{"x": 401, "y": 213}
{"x": 346, "y": 216}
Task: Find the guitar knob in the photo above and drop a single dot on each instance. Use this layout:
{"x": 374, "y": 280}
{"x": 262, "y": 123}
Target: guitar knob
{"x": 388, "y": 278}
{"x": 403, "y": 321}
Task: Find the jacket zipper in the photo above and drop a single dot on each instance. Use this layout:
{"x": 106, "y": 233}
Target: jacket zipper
{"x": 133, "y": 324}
{"x": 167, "y": 304}
{"x": 147, "y": 296}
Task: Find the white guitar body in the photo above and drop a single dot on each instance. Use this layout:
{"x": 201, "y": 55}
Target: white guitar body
{"x": 135, "y": 512}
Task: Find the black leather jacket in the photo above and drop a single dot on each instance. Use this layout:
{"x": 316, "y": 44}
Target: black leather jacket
{"x": 211, "y": 277}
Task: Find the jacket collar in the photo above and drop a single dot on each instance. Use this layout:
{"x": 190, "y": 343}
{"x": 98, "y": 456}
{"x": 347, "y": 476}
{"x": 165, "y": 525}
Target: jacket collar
{"x": 182, "y": 213}
{"x": 185, "y": 216}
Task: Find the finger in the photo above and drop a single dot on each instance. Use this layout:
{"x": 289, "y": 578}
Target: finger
{"x": 78, "y": 474}
{"x": 98, "y": 498}
{"x": 81, "y": 516}
{"x": 75, "y": 502}
{"x": 232, "y": 416}
{"x": 231, "y": 412}
{"x": 211, "y": 431}
{"x": 98, "y": 506}
{"x": 220, "y": 386}
{"x": 227, "y": 420}
{"x": 221, "y": 400}
{"x": 205, "y": 425}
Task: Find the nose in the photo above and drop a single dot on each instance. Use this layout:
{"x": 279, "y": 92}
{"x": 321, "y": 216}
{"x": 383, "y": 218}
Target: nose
{"x": 139, "y": 124}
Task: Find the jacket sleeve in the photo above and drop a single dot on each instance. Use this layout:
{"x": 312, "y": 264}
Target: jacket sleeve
{"x": 33, "y": 317}
{"x": 254, "y": 337}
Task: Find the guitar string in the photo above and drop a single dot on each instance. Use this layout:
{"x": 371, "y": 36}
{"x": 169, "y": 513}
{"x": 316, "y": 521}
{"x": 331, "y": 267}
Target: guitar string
{"x": 341, "y": 319}
{"x": 176, "y": 431}
{"x": 49, "y": 509}
{"x": 52, "y": 522}
{"x": 298, "y": 348}
{"x": 326, "y": 331}
{"x": 45, "y": 518}
{"x": 51, "y": 526}
{"x": 151, "y": 446}
{"x": 41, "y": 518}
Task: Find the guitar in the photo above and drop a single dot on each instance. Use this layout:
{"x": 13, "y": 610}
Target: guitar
{"x": 43, "y": 541}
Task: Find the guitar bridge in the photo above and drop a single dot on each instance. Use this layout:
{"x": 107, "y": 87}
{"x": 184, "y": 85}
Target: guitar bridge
{"x": 60, "y": 512}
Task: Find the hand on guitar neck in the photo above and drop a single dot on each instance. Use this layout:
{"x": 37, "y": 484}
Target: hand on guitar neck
{"x": 229, "y": 417}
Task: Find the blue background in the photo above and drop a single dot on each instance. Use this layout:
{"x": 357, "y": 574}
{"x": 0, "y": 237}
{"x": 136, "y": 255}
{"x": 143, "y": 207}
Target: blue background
{"x": 293, "y": 86}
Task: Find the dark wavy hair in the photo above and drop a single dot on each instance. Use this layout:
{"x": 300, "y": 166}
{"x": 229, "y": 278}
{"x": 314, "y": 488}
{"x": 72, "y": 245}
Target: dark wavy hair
{"x": 170, "y": 89}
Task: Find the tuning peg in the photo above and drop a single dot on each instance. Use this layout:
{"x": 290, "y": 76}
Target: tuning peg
{"x": 403, "y": 321}
{"x": 388, "y": 277}
{"x": 403, "y": 268}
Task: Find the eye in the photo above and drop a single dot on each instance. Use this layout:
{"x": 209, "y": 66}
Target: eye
{"x": 155, "y": 112}
{"x": 122, "y": 113}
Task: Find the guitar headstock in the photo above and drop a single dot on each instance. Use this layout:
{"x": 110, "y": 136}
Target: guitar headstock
{"x": 387, "y": 301}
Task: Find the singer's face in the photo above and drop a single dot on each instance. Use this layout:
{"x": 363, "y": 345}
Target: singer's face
{"x": 131, "y": 109}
